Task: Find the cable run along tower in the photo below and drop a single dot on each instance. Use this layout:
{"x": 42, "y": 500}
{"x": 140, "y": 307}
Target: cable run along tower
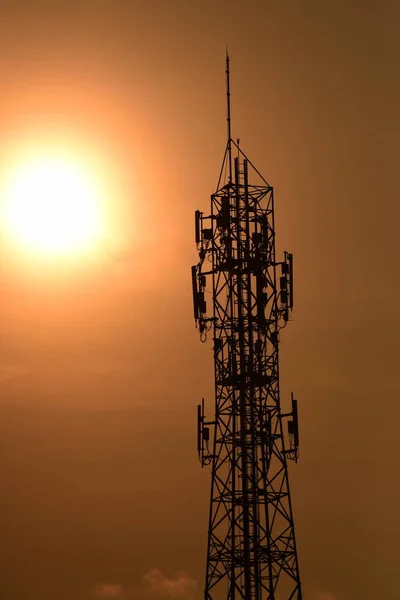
{"x": 248, "y": 440}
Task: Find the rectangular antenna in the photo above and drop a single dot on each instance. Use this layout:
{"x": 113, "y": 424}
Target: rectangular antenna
{"x": 197, "y": 226}
{"x": 199, "y": 419}
{"x": 290, "y": 258}
{"x": 195, "y": 292}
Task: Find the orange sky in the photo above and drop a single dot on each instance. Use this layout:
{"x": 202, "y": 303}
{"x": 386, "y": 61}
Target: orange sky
{"x": 100, "y": 365}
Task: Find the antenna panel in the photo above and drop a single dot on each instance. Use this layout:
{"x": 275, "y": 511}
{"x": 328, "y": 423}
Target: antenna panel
{"x": 197, "y": 219}
{"x": 195, "y": 292}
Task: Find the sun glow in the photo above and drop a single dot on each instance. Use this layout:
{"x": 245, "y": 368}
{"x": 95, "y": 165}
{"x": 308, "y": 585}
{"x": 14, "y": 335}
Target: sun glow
{"x": 52, "y": 206}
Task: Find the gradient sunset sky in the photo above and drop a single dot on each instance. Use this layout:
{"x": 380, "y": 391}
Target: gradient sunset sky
{"x": 101, "y": 369}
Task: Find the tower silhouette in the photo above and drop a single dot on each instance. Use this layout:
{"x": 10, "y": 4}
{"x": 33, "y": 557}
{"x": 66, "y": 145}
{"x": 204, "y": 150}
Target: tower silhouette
{"x": 251, "y": 553}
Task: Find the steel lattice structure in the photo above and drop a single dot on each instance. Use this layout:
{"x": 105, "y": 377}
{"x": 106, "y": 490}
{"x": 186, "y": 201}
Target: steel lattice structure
{"x": 251, "y": 540}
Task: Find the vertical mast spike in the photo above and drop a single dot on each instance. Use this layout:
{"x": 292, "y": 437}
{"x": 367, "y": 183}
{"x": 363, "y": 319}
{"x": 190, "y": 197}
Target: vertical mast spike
{"x": 228, "y": 115}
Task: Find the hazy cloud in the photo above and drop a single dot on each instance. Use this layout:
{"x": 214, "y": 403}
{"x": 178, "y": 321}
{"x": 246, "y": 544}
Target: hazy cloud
{"x": 155, "y": 586}
{"x": 181, "y": 586}
{"x": 11, "y": 372}
{"x": 108, "y": 590}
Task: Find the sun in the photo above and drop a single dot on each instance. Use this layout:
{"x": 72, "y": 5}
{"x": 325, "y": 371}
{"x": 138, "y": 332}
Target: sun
{"x": 51, "y": 206}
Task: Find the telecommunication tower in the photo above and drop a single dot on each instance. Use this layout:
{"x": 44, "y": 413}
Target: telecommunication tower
{"x": 251, "y": 552}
